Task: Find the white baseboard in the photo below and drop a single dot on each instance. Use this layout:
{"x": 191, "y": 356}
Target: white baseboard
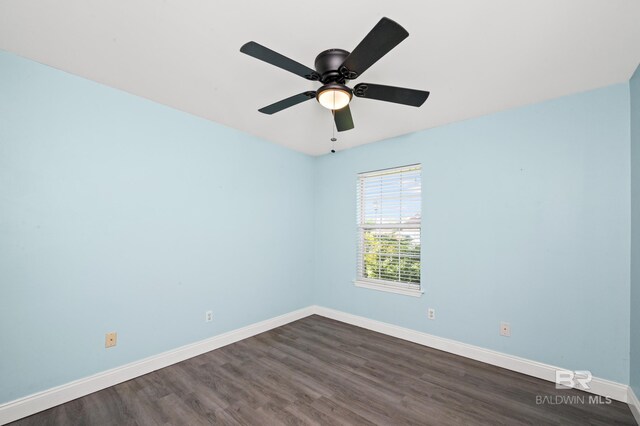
{"x": 40, "y": 401}
{"x": 634, "y": 405}
{"x": 599, "y": 386}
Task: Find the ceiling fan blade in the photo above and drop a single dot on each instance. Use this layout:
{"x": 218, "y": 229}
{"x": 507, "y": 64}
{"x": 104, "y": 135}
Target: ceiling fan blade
{"x": 343, "y": 119}
{"x": 398, "y": 95}
{"x": 386, "y": 35}
{"x": 274, "y": 58}
{"x": 288, "y": 102}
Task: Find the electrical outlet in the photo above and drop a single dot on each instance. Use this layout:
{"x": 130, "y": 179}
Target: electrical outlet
{"x": 505, "y": 329}
{"x": 431, "y": 314}
{"x": 208, "y": 316}
{"x": 110, "y": 339}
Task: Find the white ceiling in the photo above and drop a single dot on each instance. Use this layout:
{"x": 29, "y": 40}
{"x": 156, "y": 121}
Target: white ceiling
{"x": 476, "y": 57}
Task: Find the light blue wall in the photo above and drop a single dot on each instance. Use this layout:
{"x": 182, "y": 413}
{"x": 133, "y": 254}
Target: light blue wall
{"x": 635, "y": 231}
{"x": 119, "y": 214}
{"x": 525, "y": 220}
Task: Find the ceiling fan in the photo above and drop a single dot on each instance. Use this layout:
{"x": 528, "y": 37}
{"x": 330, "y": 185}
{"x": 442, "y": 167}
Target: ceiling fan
{"x": 335, "y": 67}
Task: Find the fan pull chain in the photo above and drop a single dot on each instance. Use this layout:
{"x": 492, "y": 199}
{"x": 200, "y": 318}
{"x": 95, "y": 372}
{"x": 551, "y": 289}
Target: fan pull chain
{"x": 333, "y": 131}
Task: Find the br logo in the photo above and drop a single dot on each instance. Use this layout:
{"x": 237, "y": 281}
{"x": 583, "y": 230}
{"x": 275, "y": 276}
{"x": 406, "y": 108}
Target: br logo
{"x": 578, "y": 379}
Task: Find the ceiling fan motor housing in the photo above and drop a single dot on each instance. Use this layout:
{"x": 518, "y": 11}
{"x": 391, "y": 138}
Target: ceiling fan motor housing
{"x": 328, "y": 64}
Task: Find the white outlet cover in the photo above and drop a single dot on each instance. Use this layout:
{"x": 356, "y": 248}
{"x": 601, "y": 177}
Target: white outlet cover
{"x": 505, "y": 329}
{"x": 431, "y": 313}
{"x": 208, "y": 316}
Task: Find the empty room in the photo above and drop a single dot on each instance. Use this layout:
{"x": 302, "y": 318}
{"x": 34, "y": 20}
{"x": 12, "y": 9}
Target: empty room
{"x": 335, "y": 213}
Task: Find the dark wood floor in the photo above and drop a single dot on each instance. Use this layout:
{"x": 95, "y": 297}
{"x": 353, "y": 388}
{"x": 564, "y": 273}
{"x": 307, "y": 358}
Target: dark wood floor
{"x": 320, "y": 371}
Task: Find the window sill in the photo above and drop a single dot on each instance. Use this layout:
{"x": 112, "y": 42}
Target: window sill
{"x": 388, "y": 288}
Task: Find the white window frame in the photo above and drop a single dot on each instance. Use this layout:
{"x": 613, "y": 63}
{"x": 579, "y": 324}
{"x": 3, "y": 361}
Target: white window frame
{"x": 408, "y": 289}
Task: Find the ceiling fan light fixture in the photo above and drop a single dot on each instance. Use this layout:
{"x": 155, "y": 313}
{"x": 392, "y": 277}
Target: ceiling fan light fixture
{"x": 334, "y": 96}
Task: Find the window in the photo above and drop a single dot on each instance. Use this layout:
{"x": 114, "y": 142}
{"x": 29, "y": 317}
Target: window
{"x": 389, "y": 221}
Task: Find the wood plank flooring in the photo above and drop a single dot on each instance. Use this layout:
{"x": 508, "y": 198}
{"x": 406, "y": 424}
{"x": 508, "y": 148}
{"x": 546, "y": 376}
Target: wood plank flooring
{"x": 317, "y": 371}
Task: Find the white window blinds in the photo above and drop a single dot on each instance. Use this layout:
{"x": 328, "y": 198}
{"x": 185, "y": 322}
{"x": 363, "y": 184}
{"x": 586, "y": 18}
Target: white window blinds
{"x": 389, "y": 221}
